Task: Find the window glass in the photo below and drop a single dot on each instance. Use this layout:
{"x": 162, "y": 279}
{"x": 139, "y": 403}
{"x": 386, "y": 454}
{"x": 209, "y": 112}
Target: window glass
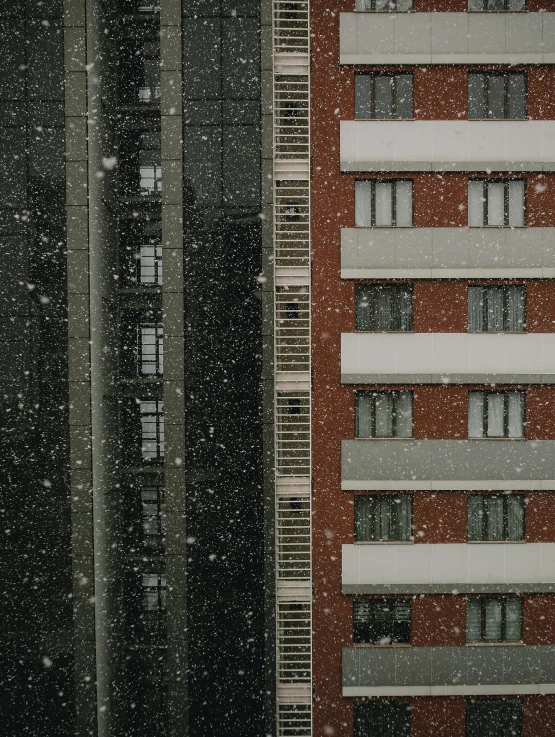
{"x": 363, "y": 96}
{"x": 151, "y": 352}
{"x": 383, "y": 96}
{"x": 516, "y": 203}
{"x": 476, "y": 96}
{"x": 490, "y": 619}
{"x": 363, "y": 204}
{"x": 476, "y": 201}
{"x": 152, "y": 430}
{"x": 383, "y": 404}
{"x": 381, "y": 718}
{"x": 517, "y": 96}
{"x": 150, "y": 264}
{"x": 496, "y": 414}
{"x": 494, "y": 718}
{"x": 403, "y": 94}
{"x": 384, "y": 307}
{"x": 496, "y": 95}
{"x": 382, "y": 518}
{"x": 384, "y": 414}
{"x": 497, "y": 308}
{"x": 383, "y": 204}
{"x": 403, "y": 204}
{"x": 495, "y": 203}
{"x": 381, "y": 621}
{"x": 495, "y": 517}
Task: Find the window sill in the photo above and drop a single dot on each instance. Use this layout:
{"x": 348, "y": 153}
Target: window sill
{"x": 385, "y": 12}
{"x": 396, "y": 438}
{"x": 387, "y": 120}
{"x": 489, "y": 120}
{"x": 384, "y": 542}
{"x": 498, "y": 227}
{"x": 494, "y": 644}
{"x": 497, "y": 332}
{"x": 495, "y": 439}
{"x": 372, "y": 644}
{"x": 384, "y": 227}
{"x": 496, "y": 542}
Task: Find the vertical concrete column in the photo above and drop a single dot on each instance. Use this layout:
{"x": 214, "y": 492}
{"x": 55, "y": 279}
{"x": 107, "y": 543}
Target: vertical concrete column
{"x": 79, "y": 366}
{"x": 174, "y": 400}
{"x": 268, "y": 320}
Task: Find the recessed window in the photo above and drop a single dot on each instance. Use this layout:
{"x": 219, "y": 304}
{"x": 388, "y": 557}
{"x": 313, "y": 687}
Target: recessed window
{"x": 384, "y": 6}
{"x": 150, "y": 165}
{"x": 383, "y": 204}
{"x": 494, "y": 414}
{"x": 149, "y": 264}
{"x": 383, "y": 96}
{"x": 381, "y": 718}
{"x": 384, "y": 307}
{"x": 496, "y": 5}
{"x": 496, "y": 203}
{"x": 493, "y": 620}
{"x": 383, "y": 518}
{"x": 153, "y": 516}
{"x": 152, "y": 430}
{"x": 496, "y": 95}
{"x": 495, "y": 517}
{"x": 150, "y": 349}
{"x": 384, "y": 414}
{"x": 381, "y": 621}
{"x": 497, "y": 309}
{"x": 494, "y": 718}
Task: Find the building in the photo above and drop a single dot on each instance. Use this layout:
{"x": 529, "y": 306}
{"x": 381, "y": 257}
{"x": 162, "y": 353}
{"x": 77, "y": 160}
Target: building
{"x": 433, "y": 309}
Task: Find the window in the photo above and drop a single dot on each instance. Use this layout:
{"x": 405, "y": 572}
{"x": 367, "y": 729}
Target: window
{"x": 493, "y": 620}
{"x": 494, "y": 718}
{"x": 383, "y": 96}
{"x": 384, "y": 414}
{"x": 496, "y": 5}
{"x": 153, "y": 523}
{"x": 154, "y": 592}
{"x": 381, "y": 719}
{"x": 150, "y": 264}
{"x": 150, "y": 350}
{"x": 496, "y": 414}
{"x": 384, "y": 307}
{"x": 383, "y": 518}
{"x": 150, "y": 165}
{"x": 496, "y": 95}
{"x": 149, "y": 86}
{"x": 381, "y": 621}
{"x": 496, "y": 203}
{"x": 495, "y": 517}
{"x": 152, "y": 430}
{"x": 383, "y": 204}
{"x": 497, "y": 309}
{"x": 384, "y": 5}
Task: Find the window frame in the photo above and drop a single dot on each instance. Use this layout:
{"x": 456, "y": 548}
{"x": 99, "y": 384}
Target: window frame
{"x": 374, "y": 394}
{"x": 484, "y": 517}
{"x": 394, "y": 517}
{"x": 506, "y": 199}
{"x": 390, "y": 604}
{"x": 485, "y": 309}
{"x": 159, "y": 439}
{"x": 393, "y": 182}
{"x": 158, "y": 343}
{"x": 395, "y": 312}
{"x": 503, "y": 638}
{"x": 394, "y": 102}
{"x": 505, "y": 393}
{"x": 506, "y": 93}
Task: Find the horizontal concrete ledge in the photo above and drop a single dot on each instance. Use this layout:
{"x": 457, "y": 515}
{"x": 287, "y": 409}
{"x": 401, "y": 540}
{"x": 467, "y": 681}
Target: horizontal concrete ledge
{"x": 541, "y": 689}
{"x": 390, "y": 59}
{"x": 439, "y": 588}
{"x": 448, "y": 379}
{"x": 470, "y": 273}
{"x": 443, "y": 166}
{"x": 457, "y": 485}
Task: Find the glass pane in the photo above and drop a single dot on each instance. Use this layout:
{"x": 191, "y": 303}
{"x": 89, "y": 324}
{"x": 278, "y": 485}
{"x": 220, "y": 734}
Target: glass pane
{"x": 148, "y": 349}
{"x": 513, "y": 613}
{"x": 382, "y": 523}
{"x": 494, "y": 309}
{"x": 364, "y": 511}
{"x": 403, "y": 93}
{"x": 476, "y": 202}
{"x": 496, "y": 411}
{"x": 384, "y": 308}
{"x": 404, "y": 4}
{"x": 517, "y": 96}
{"x": 516, "y": 4}
{"x": 493, "y": 610}
{"x": 383, "y": 96}
{"x": 363, "y": 98}
{"x": 384, "y": 4}
{"x": 363, "y": 5}
{"x": 496, "y": 4}
{"x": 475, "y": 517}
{"x": 496, "y": 203}
{"x": 403, "y": 507}
{"x": 401, "y": 620}
{"x": 496, "y": 95}
{"x": 404, "y": 296}
{"x": 475, "y": 4}
{"x": 384, "y": 192}
{"x": 384, "y": 415}
{"x": 516, "y": 309}
{"x": 404, "y": 415}
{"x": 516, "y": 414}
{"x": 493, "y": 508}
{"x": 403, "y": 204}
{"x": 516, "y": 203}
{"x": 363, "y": 200}
{"x": 515, "y": 521}
{"x": 361, "y": 618}
{"x": 363, "y": 415}
{"x": 364, "y": 308}
{"x": 476, "y": 96}
{"x": 473, "y": 620}
{"x": 475, "y": 310}
{"x": 475, "y": 414}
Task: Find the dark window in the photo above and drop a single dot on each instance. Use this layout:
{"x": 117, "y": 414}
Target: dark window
{"x": 150, "y": 349}
{"x": 149, "y": 264}
{"x": 497, "y": 309}
{"x": 381, "y": 719}
{"x": 495, "y": 517}
{"x": 384, "y": 307}
{"x": 496, "y": 95}
{"x": 381, "y": 621}
{"x": 496, "y": 414}
{"x": 150, "y": 165}
{"x": 498, "y": 203}
{"x": 496, "y": 5}
{"x": 384, "y": 414}
{"x": 383, "y": 204}
{"x": 494, "y": 718}
{"x": 393, "y": 6}
{"x": 383, "y": 517}
{"x": 153, "y": 513}
{"x": 383, "y": 96}
{"x": 152, "y": 430}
